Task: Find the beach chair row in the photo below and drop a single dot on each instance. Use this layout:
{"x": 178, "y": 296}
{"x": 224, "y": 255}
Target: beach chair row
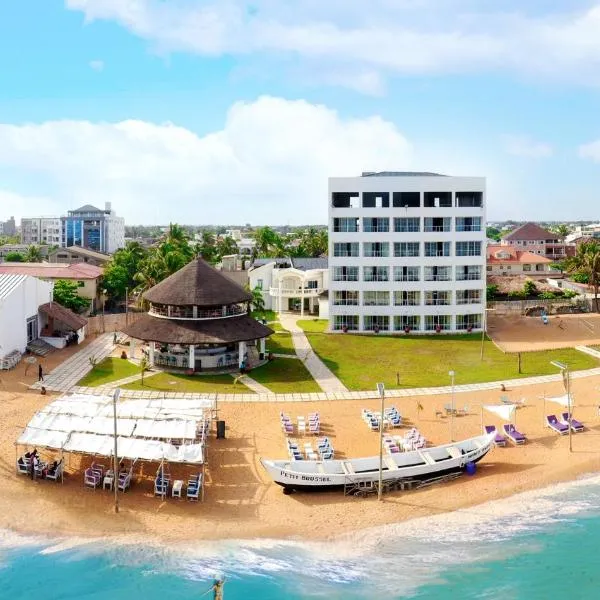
{"x": 162, "y": 485}
{"x": 96, "y": 475}
{"x": 391, "y": 417}
{"x": 42, "y": 470}
{"x": 323, "y": 451}
{"x": 412, "y": 440}
{"x": 311, "y": 425}
{"x": 561, "y": 426}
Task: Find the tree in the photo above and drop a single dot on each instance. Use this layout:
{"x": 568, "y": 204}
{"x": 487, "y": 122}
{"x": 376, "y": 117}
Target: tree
{"x": 562, "y": 231}
{"x": 492, "y": 233}
{"x": 207, "y": 248}
{"x": 226, "y": 246}
{"x": 144, "y": 366}
{"x": 529, "y": 288}
{"x": 490, "y": 291}
{"x": 33, "y": 254}
{"x": 269, "y": 243}
{"x": 115, "y": 280}
{"x": 258, "y": 301}
{"x": 65, "y": 293}
{"x": 313, "y": 243}
{"x": 14, "y": 257}
{"x": 587, "y": 262}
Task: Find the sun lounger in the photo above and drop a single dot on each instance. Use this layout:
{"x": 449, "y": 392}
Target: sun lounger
{"x": 513, "y": 435}
{"x": 124, "y": 481}
{"x": 91, "y": 478}
{"x": 499, "y": 440}
{"x": 576, "y": 425}
{"x": 554, "y": 423}
{"x": 193, "y": 488}
{"x": 161, "y": 487}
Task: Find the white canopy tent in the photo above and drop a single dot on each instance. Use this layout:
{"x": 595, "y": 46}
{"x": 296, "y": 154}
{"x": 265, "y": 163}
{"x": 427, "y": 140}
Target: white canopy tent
{"x": 562, "y": 400}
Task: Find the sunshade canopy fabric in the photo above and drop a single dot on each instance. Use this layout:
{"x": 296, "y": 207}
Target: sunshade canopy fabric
{"x": 503, "y": 410}
{"x": 562, "y": 400}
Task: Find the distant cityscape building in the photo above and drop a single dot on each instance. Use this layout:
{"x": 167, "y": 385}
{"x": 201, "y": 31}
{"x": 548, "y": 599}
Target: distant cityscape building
{"x": 21, "y": 249}
{"x": 41, "y": 230}
{"x": 536, "y": 239}
{"x": 94, "y": 228}
{"x": 8, "y": 227}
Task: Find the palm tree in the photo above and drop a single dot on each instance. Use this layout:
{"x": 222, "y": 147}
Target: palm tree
{"x": 144, "y": 366}
{"x": 268, "y": 242}
{"x": 226, "y": 246}
{"x": 587, "y": 262}
{"x": 562, "y": 231}
{"x": 33, "y": 254}
{"x": 258, "y": 301}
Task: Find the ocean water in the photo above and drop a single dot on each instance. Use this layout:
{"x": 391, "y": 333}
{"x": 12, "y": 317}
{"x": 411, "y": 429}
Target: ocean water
{"x": 543, "y": 544}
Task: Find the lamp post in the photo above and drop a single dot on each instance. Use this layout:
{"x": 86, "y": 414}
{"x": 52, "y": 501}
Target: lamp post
{"x": 451, "y": 373}
{"x": 381, "y": 390}
{"x": 116, "y": 395}
{"x": 564, "y": 368}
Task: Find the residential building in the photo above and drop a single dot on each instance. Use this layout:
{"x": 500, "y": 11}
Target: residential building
{"x": 406, "y": 252}
{"x": 245, "y": 245}
{"x": 41, "y": 230}
{"x": 93, "y": 228}
{"x": 291, "y": 284}
{"x": 8, "y": 227}
{"x": 509, "y": 261}
{"x": 87, "y": 276}
{"x": 591, "y": 231}
{"x": 21, "y": 249}
{"x": 75, "y": 254}
{"x": 536, "y": 239}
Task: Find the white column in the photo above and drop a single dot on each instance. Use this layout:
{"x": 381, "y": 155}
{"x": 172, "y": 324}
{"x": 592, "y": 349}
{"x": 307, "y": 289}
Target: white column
{"x": 132, "y": 349}
{"x": 279, "y": 299}
{"x": 302, "y": 299}
{"x": 151, "y": 354}
{"x": 192, "y": 356}
{"x": 263, "y": 344}
{"x": 241, "y": 351}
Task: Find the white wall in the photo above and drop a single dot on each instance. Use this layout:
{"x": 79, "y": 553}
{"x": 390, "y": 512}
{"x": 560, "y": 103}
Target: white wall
{"x": 264, "y": 272}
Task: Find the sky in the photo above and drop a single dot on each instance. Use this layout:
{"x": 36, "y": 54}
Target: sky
{"x": 234, "y": 111}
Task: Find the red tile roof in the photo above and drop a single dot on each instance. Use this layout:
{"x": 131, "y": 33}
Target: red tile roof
{"x": 53, "y": 270}
{"x": 515, "y": 256}
{"x": 530, "y": 231}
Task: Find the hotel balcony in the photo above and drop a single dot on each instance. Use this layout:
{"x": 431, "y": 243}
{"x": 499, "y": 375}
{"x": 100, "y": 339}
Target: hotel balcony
{"x": 295, "y": 292}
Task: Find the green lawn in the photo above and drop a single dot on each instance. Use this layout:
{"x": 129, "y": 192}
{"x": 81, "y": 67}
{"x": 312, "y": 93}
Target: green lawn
{"x": 285, "y": 376}
{"x": 361, "y": 361}
{"x": 108, "y": 370}
{"x": 281, "y": 341}
{"x": 170, "y": 382}
{"x": 269, "y": 315}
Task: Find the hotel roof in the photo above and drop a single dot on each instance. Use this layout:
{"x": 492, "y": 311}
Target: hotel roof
{"x": 52, "y": 270}
{"x": 401, "y": 174}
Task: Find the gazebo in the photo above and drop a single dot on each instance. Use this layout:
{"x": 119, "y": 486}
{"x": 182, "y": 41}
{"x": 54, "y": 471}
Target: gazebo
{"x": 198, "y": 320}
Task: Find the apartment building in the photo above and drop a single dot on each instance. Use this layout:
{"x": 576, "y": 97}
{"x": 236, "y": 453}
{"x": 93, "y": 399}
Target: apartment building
{"x": 41, "y": 231}
{"x": 531, "y": 237}
{"x": 406, "y": 252}
{"x": 94, "y": 228}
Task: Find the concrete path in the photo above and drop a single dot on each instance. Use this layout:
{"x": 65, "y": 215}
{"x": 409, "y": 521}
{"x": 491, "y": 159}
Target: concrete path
{"x": 327, "y": 381}
{"x": 256, "y": 387}
{"x": 588, "y": 350}
{"x": 68, "y": 373}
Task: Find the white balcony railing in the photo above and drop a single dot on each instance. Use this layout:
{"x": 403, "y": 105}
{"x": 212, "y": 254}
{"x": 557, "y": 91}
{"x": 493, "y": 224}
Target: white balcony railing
{"x": 295, "y": 292}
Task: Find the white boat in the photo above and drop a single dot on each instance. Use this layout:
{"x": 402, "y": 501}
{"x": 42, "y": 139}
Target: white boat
{"x": 403, "y": 467}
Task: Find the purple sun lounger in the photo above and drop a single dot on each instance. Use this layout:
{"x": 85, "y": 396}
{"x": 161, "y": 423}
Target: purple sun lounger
{"x": 554, "y": 423}
{"x": 499, "y": 440}
{"x": 576, "y": 425}
{"x": 513, "y": 435}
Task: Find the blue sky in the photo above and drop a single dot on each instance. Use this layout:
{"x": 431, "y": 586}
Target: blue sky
{"x": 229, "y": 111}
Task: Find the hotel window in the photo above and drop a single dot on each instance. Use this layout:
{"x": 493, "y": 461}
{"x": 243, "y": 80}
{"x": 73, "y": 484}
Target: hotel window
{"x": 401, "y": 322}
{"x": 468, "y": 248}
{"x": 345, "y": 200}
{"x": 437, "y": 248}
{"x": 540, "y": 268}
{"x": 345, "y": 298}
{"x": 376, "y": 298}
{"x": 526, "y": 267}
{"x": 376, "y": 225}
{"x": 432, "y": 322}
{"x": 438, "y": 224}
{"x": 376, "y": 322}
{"x": 407, "y": 224}
{"x": 345, "y": 224}
{"x": 406, "y": 199}
{"x": 437, "y": 199}
{"x": 407, "y": 273}
{"x": 468, "y": 223}
{"x": 375, "y": 274}
{"x": 259, "y": 284}
{"x": 488, "y": 268}
{"x": 437, "y": 298}
{"x": 405, "y": 298}
{"x": 349, "y": 322}
{"x": 469, "y": 199}
{"x": 376, "y": 249}
{"x": 345, "y": 273}
{"x": 406, "y": 249}
{"x": 345, "y": 249}
{"x": 468, "y": 296}
{"x": 438, "y": 273}
{"x": 466, "y": 321}
{"x": 468, "y": 273}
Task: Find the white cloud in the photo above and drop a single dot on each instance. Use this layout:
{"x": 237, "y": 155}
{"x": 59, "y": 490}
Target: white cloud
{"x": 268, "y": 164}
{"x": 590, "y": 151}
{"x": 96, "y": 65}
{"x": 381, "y": 38}
{"x": 525, "y": 147}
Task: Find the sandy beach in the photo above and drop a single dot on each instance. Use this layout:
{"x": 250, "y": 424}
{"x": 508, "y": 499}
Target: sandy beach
{"x": 242, "y": 502}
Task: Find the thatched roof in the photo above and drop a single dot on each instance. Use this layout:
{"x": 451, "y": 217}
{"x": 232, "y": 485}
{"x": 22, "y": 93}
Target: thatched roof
{"x": 197, "y": 284}
{"x": 62, "y": 314}
{"x": 211, "y": 331}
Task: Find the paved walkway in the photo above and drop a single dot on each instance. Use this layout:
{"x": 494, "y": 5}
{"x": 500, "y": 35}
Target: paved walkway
{"x": 256, "y": 387}
{"x": 364, "y": 395}
{"x": 588, "y": 350}
{"x": 327, "y": 381}
{"x": 68, "y": 373}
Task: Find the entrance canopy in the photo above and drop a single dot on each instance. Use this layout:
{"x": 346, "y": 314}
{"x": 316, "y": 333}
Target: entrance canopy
{"x": 145, "y": 428}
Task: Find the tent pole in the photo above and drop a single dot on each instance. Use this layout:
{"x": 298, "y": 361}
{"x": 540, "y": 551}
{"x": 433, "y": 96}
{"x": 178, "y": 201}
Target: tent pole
{"x": 116, "y": 395}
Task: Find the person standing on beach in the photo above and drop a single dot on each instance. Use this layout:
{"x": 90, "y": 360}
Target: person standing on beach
{"x": 40, "y": 373}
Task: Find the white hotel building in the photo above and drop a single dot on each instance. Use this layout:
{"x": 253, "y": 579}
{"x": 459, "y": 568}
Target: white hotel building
{"x": 406, "y": 252}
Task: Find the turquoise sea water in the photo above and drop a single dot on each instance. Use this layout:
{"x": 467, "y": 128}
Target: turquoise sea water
{"x": 537, "y": 545}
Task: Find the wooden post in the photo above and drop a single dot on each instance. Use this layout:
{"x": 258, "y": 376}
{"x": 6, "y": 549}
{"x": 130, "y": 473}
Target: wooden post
{"x": 519, "y": 361}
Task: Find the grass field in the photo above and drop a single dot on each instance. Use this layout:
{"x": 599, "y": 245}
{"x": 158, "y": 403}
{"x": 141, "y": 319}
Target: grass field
{"x": 424, "y": 361}
{"x": 281, "y": 341}
{"x": 170, "y": 382}
{"x": 268, "y": 315}
{"x": 285, "y": 376}
{"x": 108, "y": 370}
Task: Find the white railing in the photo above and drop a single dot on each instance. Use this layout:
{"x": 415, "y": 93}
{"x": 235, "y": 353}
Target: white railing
{"x": 296, "y": 291}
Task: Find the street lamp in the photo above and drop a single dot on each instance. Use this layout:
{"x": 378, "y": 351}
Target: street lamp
{"x": 564, "y": 368}
{"x": 381, "y": 390}
{"x": 451, "y": 373}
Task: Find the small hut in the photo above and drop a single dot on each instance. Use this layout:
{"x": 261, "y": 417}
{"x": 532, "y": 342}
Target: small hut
{"x": 199, "y": 320}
